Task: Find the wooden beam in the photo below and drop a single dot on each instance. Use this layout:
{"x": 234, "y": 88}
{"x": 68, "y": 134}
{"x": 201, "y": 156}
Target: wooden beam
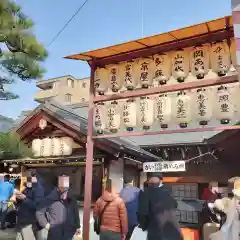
{"x": 169, "y": 88}
{"x": 183, "y": 130}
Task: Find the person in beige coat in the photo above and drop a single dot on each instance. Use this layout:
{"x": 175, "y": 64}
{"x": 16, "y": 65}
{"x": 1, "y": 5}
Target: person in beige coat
{"x": 231, "y": 228}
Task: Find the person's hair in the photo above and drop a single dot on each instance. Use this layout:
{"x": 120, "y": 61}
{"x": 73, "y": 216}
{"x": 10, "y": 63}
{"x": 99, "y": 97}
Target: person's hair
{"x": 17, "y": 183}
{"x": 7, "y": 177}
{"x": 108, "y": 185}
{"x": 145, "y": 184}
{"x": 33, "y": 174}
{"x": 128, "y": 179}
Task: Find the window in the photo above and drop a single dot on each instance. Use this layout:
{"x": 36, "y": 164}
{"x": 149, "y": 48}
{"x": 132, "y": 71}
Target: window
{"x": 84, "y": 85}
{"x": 68, "y": 98}
{"x": 70, "y": 83}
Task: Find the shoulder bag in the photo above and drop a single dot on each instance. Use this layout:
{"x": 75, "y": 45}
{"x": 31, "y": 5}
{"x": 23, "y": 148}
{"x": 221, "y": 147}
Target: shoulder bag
{"x": 97, "y": 220}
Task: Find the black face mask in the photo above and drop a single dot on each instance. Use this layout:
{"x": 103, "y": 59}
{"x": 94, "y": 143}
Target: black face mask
{"x": 153, "y": 185}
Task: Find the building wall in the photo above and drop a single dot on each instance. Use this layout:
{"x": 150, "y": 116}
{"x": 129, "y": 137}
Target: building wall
{"x": 65, "y": 90}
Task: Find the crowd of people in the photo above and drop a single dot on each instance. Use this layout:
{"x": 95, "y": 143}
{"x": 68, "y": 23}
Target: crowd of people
{"x": 131, "y": 214}
{"x": 41, "y": 216}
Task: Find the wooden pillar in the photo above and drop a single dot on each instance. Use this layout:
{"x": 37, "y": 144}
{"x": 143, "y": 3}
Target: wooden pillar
{"x": 89, "y": 161}
{"x": 23, "y": 178}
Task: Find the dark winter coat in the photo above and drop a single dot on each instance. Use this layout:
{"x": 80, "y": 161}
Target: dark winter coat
{"x": 62, "y": 215}
{"x": 157, "y": 214}
{"x": 26, "y": 208}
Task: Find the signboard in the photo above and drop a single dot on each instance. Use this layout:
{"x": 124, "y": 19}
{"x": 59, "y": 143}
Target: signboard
{"x": 164, "y": 166}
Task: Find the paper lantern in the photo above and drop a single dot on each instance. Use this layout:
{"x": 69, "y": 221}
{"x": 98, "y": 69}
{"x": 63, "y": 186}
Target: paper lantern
{"x": 36, "y": 147}
{"x": 113, "y": 117}
{"x": 163, "y": 110}
{"x": 114, "y": 77}
{"x": 233, "y": 52}
{"x": 129, "y": 75}
{"x": 66, "y": 146}
{"x": 182, "y": 109}
{"x": 224, "y": 107}
{"x": 162, "y": 68}
{"x": 130, "y": 114}
{"x": 100, "y": 80}
{"x": 145, "y": 66}
{"x": 200, "y": 61}
{"x": 220, "y": 58}
{"x": 146, "y": 112}
{"x": 99, "y": 117}
{"x": 180, "y": 65}
{"x": 203, "y": 107}
{"x": 47, "y": 150}
{"x": 56, "y": 147}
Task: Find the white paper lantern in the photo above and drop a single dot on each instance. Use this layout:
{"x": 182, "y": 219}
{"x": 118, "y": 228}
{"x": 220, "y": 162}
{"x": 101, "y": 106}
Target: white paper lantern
{"x": 146, "y": 105}
{"x": 162, "y": 68}
{"x": 100, "y": 117}
{"x": 130, "y": 114}
{"x": 180, "y": 65}
{"x": 220, "y": 58}
{"x": 47, "y": 143}
{"x": 114, "y": 77}
{"x": 163, "y": 110}
{"x": 100, "y": 80}
{"x": 182, "y": 109}
{"x": 67, "y": 146}
{"x": 233, "y": 52}
{"x": 145, "y": 66}
{"x": 36, "y": 147}
{"x": 203, "y": 107}
{"x": 56, "y": 147}
{"x": 224, "y": 109}
{"x": 113, "y": 117}
{"x": 129, "y": 75}
{"x": 200, "y": 61}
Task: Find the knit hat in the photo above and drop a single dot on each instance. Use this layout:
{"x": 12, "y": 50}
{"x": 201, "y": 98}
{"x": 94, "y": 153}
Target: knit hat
{"x": 236, "y": 189}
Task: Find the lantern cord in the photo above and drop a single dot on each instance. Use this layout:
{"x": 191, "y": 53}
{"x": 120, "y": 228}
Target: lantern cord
{"x": 67, "y": 23}
{"x": 201, "y": 155}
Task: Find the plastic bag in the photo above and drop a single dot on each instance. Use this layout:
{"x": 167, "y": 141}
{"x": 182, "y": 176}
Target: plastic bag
{"x": 138, "y": 234}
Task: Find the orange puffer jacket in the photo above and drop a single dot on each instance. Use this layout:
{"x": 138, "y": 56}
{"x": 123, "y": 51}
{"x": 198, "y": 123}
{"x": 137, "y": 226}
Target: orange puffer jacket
{"x": 114, "y": 217}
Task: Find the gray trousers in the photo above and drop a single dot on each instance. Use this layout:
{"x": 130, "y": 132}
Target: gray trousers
{"x": 109, "y": 235}
{"x": 26, "y": 233}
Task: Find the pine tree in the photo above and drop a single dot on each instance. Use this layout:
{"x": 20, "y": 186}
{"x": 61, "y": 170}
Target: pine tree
{"x": 20, "y": 52}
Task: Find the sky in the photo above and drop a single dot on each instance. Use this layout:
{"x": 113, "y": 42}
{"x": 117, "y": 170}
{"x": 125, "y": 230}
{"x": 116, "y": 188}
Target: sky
{"x": 99, "y": 24}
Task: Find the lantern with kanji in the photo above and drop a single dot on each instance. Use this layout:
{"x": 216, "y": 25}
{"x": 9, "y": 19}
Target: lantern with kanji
{"x": 56, "y": 146}
{"x": 233, "y": 52}
{"x": 145, "y": 70}
{"x": 162, "y": 68}
{"x": 180, "y": 65}
{"x": 163, "y": 110}
{"x": 114, "y": 77}
{"x": 182, "y": 109}
{"x": 203, "y": 107}
{"x": 100, "y": 117}
{"x": 129, "y": 75}
{"x": 47, "y": 150}
{"x": 200, "y": 61}
{"x": 224, "y": 108}
{"x": 100, "y": 80}
{"x": 36, "y": 147}
{"x": 129, "y": 114}
{"x": 220, "y": 58}
{"x": 146, "y": 107}
{"x": 66, "y": 146}
{"x": 113, "y": 117}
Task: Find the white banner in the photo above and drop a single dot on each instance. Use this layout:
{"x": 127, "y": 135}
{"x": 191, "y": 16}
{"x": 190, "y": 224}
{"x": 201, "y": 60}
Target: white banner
{"x": 164, "y": 166}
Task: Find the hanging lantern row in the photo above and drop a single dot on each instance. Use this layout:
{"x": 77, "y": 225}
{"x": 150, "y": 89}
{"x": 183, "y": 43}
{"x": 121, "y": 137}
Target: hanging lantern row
{"x": 205, "y": 105}
{"x": 143, "y": 72}
{"x": 52, "y": 147}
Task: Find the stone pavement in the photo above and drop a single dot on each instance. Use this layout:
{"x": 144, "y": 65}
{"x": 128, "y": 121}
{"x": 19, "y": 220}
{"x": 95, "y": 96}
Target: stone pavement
{"x": 8, "y": 234}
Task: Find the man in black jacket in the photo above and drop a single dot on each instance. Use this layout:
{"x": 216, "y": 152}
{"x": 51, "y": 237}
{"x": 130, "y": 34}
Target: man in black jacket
{"x": 157, "y": 210}
{"x": 58, "y": 213}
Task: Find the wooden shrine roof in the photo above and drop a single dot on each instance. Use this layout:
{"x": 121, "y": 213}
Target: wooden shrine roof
{"x": 206, "y": 29}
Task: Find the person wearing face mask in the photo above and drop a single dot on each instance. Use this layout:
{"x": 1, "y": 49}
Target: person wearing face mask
{"x": 157, "y": 211}
{"x": 26, "y": 208}
{"x": 58, "y": 213}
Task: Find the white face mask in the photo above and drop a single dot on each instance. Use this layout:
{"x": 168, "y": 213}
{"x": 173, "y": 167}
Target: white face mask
{"x": 29, "y": 184}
